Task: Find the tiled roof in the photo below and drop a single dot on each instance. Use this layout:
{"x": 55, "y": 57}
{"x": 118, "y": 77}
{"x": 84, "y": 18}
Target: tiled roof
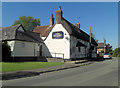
{"x": 43, "y": 30}
{"x": 75, "y": 31}
{"x": 11, "y": 33}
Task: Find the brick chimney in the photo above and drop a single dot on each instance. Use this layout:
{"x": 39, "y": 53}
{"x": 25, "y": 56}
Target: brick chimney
{"x": 90, "y": 33}
{"x": 78, "y": 25}
{"x": 104, "y": 42}
{"x": 58, "y": 15}
{"x": 51, "y": 20}
{"x": 96, "y": 40}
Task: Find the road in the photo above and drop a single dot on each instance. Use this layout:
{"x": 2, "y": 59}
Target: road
{"x": 104, "y": 73}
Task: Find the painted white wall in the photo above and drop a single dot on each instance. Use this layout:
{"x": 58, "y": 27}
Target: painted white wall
{"x": 43, "y": 38}
{"x": 11, "y": 44}
{"x": 57, "y": 45}
{"x": 22, "y": 48}
{"x": 64, "y": 46}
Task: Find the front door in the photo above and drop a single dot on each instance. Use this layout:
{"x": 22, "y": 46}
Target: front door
{"x": 40, "y": 49}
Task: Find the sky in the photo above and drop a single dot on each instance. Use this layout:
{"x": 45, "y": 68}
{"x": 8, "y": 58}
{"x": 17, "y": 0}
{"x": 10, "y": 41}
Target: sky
{"x": 101, "y": 16}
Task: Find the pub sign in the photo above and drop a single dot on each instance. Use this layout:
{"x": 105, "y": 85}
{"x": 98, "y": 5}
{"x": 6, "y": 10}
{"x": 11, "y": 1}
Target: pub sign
{"x": 57, "y": 35}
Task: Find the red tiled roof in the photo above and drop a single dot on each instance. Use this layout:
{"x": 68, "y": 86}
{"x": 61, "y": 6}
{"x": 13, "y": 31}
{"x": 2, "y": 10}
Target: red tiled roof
{"x": 43, "y": 30}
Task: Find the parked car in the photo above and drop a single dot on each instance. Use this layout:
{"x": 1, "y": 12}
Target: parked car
{"x": 107, "y": 55}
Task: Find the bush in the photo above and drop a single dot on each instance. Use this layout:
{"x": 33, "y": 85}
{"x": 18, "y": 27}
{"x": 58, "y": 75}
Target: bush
{"x": 116, "y": 52}
{"x": 102, "y": 51}
{"x": 6, "y": 52}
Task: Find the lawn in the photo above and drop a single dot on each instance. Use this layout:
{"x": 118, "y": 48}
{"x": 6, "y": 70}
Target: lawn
{"x": 14, "y": 66}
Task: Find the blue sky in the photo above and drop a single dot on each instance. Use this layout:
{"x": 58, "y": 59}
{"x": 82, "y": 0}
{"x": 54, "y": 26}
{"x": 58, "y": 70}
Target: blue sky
{"x": 101, "y": 16}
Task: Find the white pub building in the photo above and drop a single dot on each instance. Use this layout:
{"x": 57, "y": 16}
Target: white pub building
{"x": 65, "y": 40}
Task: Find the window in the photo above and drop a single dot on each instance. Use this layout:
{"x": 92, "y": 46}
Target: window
{"x": 58, "y": 35}
{"x": 92, "y": 47}
{"x": 79, "y": 49}
{"x": 23, "y": 44}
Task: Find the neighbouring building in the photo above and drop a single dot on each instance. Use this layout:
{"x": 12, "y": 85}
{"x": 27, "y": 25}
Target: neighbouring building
{"x": 101, "y": 47}
{"x": 24, "y": 44}
{"x": 65, "y": 40}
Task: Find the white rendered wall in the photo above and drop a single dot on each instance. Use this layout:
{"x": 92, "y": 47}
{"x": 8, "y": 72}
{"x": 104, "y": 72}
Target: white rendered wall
{"x": 65, "y": 46}
{"x": 11, "y": 44}
{"x": 43, "y": 38}
{"x": 57, "y": 45}
{"x": 22, "y": 48}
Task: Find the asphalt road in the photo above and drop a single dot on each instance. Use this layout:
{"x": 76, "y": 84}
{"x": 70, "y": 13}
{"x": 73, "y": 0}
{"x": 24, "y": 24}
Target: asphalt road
{"x": 104, "y": 73}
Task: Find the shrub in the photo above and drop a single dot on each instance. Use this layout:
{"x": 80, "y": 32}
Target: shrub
{"x": 6, "y": 52}
{"x": 116, "y": 52}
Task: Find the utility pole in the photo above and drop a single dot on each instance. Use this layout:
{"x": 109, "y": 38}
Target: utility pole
{"x": 90, "y": 44}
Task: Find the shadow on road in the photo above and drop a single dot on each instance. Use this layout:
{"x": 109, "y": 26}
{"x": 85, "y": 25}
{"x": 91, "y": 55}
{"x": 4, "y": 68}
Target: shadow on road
{"x": 99, "y": 59}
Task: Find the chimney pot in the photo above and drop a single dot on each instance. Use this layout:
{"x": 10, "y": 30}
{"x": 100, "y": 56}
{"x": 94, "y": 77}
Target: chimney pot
{"x": 58, "y": 15}
{"x": 51, "y": 19}
{"x": 78, "y": 25}
{"x": 59, "y": 7}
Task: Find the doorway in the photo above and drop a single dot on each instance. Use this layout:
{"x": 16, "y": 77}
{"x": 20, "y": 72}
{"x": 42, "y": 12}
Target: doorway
{"x": 40, "y": 50}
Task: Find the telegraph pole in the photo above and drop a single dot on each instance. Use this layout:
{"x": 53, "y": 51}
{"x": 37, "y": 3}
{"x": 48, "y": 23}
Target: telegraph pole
{"x": 90, "y": 43}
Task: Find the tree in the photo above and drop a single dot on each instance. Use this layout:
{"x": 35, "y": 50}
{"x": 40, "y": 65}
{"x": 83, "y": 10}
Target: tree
{"x": 102, "y": 53}
{"x": 109, "y": 48}
{"x": 6, "y": 52}
{"x": 29, "y": 23}
{"x": 116, "y": 52}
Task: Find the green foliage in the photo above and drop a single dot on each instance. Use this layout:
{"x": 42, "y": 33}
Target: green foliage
{"x": 116, "y": 52}
{"x": 109, "y": 48}
{"x": 6, "y": 52}
{"x": 102, "y": 51}
{"x": 9, "y": 66}
{"x": 29, "y": 23}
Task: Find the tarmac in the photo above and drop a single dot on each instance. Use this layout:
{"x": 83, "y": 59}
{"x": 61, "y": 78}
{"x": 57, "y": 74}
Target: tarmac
{"x": 35, "y": 72}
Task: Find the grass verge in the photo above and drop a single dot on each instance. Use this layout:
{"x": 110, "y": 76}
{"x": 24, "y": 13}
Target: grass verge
{"x": 14, "y": 66}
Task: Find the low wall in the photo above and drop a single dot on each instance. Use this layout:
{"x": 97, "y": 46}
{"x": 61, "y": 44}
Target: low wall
{"x": 40, "y": 59}
{"x": 43, "y": 59}
{"x": 54, "y": 60}
{"x": 23, "y": 59}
